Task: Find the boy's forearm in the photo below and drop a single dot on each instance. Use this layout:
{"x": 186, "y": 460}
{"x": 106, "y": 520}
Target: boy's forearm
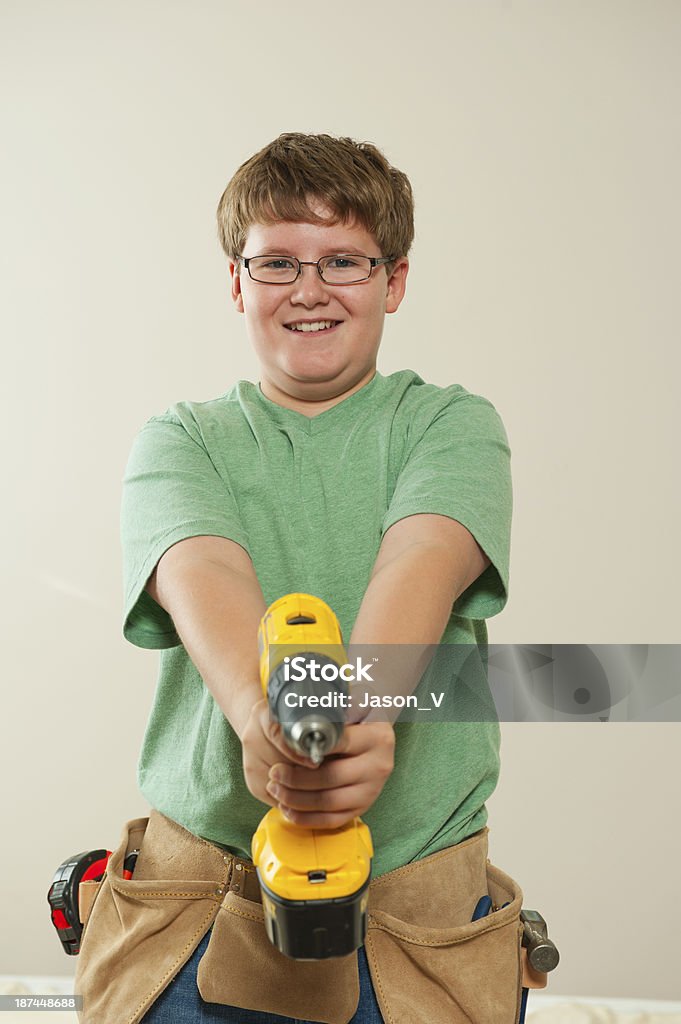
{"x": 216, "y": 611}
{"x": 408, "y": 602}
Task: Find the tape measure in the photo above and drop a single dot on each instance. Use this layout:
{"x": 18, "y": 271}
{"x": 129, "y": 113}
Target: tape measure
{"x": 89, "y": 866}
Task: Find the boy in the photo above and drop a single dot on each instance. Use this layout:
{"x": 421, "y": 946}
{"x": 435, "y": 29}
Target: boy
{"x": 387, "y": 497}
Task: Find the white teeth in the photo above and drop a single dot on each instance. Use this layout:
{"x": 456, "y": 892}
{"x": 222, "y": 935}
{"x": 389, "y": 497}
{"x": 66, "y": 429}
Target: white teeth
{"x": 318, "y": 325}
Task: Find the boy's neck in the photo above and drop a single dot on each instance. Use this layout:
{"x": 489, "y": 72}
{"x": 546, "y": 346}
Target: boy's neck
{"x": 310, "y": 407}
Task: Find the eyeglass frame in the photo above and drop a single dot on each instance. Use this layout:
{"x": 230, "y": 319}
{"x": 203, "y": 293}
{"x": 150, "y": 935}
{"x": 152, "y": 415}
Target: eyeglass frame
{"x": 375, "y": 261}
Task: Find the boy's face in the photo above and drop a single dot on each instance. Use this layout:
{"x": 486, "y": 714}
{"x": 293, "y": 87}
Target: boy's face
{"x": 324, "y": 366}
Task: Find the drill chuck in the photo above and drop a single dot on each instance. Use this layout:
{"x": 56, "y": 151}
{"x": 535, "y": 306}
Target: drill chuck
{"x": 313, "y": 736}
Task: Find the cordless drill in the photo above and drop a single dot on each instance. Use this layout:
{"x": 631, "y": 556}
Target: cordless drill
{"x": 314, "y": 882}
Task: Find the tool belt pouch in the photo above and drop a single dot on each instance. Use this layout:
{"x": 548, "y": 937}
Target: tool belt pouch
{"x": 428, "y": 960}
{"x": 141, "y": 931}
{"x": 86, "y": 897}
{"x": 242, "y": 968}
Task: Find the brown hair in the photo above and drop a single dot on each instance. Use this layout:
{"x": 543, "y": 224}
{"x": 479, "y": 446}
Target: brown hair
{"x": 353, "y": 179}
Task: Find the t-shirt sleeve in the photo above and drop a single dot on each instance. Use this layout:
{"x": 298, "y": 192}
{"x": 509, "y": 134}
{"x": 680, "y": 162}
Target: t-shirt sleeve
{"x": 171, "y": 491}
{"x": 460, "y": 467}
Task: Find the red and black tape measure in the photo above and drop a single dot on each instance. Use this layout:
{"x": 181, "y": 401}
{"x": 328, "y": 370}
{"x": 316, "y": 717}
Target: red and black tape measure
{"x": 89, "y": 866}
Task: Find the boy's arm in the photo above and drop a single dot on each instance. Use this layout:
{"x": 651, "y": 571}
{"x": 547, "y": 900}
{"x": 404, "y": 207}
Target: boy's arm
{"x": 425, "y": 562}
{"x": 209, "y": 588}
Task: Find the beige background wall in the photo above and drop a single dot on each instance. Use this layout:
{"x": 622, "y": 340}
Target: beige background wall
{"x": 542, "y": 140}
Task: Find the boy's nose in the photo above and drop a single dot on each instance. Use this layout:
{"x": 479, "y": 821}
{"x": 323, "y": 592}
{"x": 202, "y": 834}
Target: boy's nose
{"x": 308, "y": 286}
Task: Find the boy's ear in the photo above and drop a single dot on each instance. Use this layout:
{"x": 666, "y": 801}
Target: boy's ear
{"x": 397, "y": 283}
{"x": 237, "y": 297}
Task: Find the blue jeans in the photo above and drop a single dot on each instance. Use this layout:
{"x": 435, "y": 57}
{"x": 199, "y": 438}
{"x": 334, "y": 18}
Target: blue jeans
{"x": 181, "y": 1003}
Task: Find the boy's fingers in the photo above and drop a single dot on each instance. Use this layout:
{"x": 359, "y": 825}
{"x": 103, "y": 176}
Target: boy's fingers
{"x": 365, "y": 735}
{"x": 348, "y": 744}
{"x": 328, "y": 775}
{"x": 344, "y": 799}
{"x": 281, "y": 750}
{"x": 274, "y": 735}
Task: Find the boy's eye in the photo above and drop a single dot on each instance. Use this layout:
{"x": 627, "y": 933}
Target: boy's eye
{"x": 278, "y": 264}
{"x": 341, "y": 262}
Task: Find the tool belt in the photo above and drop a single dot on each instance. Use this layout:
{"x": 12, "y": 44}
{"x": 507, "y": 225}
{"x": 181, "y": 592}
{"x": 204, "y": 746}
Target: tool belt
{"x": 428, "y": 961}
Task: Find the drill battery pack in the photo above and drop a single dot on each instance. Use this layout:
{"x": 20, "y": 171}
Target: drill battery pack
{"x": 314, "y": 885}
{"x": 316, "y": 929}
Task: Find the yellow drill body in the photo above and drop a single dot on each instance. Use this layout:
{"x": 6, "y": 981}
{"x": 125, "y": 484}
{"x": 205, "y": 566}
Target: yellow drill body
{"x": 314, "y": 882}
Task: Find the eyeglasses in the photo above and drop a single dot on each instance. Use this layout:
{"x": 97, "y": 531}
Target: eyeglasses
{"x": 340, "y": 269}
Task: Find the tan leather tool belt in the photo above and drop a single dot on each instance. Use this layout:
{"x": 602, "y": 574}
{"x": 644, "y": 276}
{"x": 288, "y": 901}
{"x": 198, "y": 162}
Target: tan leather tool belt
{"x": 429, "y": 963}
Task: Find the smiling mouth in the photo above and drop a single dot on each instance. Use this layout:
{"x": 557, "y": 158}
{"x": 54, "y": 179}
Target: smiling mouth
{"x": 316, "y": 327}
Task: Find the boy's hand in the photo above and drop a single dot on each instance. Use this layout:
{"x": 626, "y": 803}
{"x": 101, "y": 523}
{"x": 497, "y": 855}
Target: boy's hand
{"x": 346, "y": 784}
{"x": 263, "y": 746}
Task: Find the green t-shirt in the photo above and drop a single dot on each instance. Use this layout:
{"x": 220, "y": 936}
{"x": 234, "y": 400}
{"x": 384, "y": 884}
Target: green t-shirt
{"x": 310, "y": 498}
